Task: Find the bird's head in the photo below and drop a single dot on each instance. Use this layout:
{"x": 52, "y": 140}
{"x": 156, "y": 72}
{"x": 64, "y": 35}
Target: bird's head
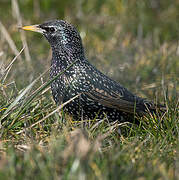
{"x": 60, "y": 34}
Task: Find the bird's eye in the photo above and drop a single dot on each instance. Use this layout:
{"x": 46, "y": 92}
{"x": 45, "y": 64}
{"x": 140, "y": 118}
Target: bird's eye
{"x": 49, "y": 29}
{"x": 52, "y": 29}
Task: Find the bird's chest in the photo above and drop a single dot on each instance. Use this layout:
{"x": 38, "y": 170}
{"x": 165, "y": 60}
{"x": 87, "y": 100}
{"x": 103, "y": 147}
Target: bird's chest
{"x": 71, "y": 82}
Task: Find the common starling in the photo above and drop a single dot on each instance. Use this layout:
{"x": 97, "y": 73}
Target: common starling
{"x": 100, "y": 95}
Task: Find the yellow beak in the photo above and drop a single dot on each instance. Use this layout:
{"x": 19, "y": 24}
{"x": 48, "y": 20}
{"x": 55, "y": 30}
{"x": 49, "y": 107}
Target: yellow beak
{"x": 34, "y": 28}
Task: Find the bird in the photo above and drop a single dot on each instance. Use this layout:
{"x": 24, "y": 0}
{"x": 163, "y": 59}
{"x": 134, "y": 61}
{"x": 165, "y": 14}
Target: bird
{"x": 99, "y": 95}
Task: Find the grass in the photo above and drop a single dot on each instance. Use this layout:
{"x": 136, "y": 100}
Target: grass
{"x": 39, "y": 141}
{"x": 57, "y": 149}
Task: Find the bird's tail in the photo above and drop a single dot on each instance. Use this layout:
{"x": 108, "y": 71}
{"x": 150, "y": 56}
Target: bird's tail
{"x": 148, "y": 107}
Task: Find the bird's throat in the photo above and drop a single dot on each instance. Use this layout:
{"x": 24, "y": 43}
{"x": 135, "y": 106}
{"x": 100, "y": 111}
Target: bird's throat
{"x": 64, "y": 56}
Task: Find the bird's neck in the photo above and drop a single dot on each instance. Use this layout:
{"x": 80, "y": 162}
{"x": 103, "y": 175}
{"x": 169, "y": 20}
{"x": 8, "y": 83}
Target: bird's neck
{"x": 63, "y": 57}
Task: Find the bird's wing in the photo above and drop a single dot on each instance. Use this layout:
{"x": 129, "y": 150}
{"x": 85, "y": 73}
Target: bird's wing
{"x": 113, "y": 95}
{"x": 115, "y": 101}
{"x": 139, "y": 107}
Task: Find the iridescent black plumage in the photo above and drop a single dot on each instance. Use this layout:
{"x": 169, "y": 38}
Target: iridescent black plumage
{"x": 100, "y": 95}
